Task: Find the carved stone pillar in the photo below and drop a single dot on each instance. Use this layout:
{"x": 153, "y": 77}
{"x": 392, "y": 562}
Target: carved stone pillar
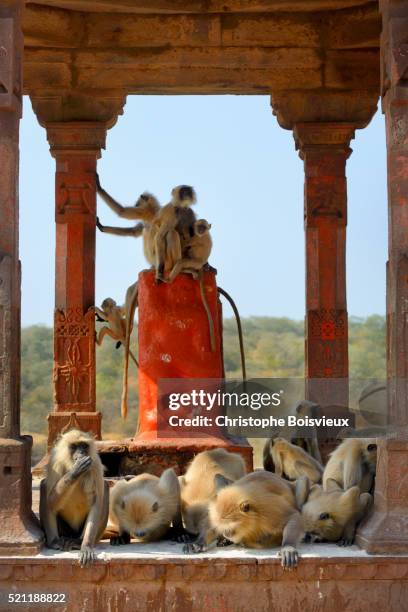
{"x": 387, "y": 529}
{"x": 324, "y": 148}
{"x": 20, "y": 532}
{"x": 76, "y": 146}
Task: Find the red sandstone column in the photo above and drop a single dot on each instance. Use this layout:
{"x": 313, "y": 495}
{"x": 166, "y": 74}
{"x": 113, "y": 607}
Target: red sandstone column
{"x": 324, "y": 148}
{"x": 76, "y": 147}
{"x": 387, "y": 528}
{"x": 20, "y": 533}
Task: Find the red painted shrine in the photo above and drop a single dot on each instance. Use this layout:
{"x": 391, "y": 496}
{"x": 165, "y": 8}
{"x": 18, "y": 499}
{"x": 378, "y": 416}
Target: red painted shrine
{"x": 325, "y": 64}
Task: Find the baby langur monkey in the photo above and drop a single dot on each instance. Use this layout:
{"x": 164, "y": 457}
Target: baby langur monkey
{"x": 196, "y": 251}
{"x": 74, "y": 499}
{"x": 144, "y": 508}
{"x": 174, "y": 228}
{"x": 259, "y": 511}
{"x": 354, "y": 462}
{"x": 198, "y": 488}
{"x": 116, "y": 317}
{"x": 146, "y": 209}
{"x": 290, "y": 461}
{"x": 332, "y": 514}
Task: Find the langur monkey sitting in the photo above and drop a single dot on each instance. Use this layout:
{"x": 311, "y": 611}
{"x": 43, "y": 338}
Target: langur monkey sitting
{"x": 258, "y": 511}
{"x": 116, "y": 317}
{"x": 198, "y": 488}
{"x": 290, "y": 461}
{"x": 353, "y": 462}
{"x": 174, "y": 228}
{"x": 196, "y": 251}
{"x": 74, "y": 499}
{"x": 146, "y": 209}
{"x": 332, "y": 514}
{"x": 144, "y": 507}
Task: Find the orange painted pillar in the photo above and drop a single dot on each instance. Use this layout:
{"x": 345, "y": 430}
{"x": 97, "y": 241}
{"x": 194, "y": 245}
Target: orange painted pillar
{"x": 324, "y": 148}
{"x": 174, "y": 338}
{"x": 76, "y": 147}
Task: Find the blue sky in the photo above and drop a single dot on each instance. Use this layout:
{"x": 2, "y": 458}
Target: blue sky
{"x": 249, "y": 181}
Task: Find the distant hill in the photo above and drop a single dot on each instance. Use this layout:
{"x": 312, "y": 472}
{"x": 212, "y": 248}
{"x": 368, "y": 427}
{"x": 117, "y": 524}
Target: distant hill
{"x": 274, "y": 347}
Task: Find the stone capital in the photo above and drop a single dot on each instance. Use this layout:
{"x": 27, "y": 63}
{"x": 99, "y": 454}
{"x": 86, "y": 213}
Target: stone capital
{"x": 324, "y": 137}
{"x": 76, "y": 137}
{"x": 322, "y": 106}
{"x": 77, "y": 106}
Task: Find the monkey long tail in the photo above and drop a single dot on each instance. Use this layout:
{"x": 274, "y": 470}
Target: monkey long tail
{"x": 208, "y": 312}
{"x": 134, "y": 358}
{"x": 129, "y": 324}
{"x": 239, "y": 326}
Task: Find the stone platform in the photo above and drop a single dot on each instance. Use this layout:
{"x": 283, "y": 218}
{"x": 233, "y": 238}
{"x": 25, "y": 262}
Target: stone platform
{"x": 159, "y": 578}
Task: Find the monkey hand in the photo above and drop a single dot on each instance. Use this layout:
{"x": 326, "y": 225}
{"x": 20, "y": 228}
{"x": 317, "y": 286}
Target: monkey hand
{"x": 118, "y": 540}
{"x": 194, "y": 547}
{"x": 86, "y": 556}
{"x": 81, "y": 466}
{"x": 346, "y": 541}
{"x": 180, "y": 535}
{"x": 222, "y": 541}
{"x": 56, "y": 544}
{"x": 289, "y": 557}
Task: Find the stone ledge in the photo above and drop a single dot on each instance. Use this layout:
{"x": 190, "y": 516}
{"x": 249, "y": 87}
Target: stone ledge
{"x": 159, "y": 578}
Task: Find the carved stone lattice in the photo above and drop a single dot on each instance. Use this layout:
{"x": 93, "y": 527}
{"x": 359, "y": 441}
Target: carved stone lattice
{"x": 74, "y": 346}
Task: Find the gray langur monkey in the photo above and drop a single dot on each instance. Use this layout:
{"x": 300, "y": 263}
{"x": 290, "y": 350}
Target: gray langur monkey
{"x": 174, "y": 228}
{"x": 74, "y": 499}
{"x": 115, "y": 316}
{"x": 145, "y": 209}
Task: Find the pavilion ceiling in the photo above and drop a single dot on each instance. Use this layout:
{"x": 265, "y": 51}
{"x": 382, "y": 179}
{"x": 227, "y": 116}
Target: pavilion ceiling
{"x": 207, "y": 46}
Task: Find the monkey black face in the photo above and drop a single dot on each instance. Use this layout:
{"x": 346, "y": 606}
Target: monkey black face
{"x": 79, "y": 450}
{"x": 372, "y": 448}
{"x": 186, "y": 192}
{"x": 143, "y": 199}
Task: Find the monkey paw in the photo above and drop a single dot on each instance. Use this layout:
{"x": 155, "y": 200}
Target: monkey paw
{"x": 68, "y": 544}
{"x": 120, "y": 539}
{"x": 56, "y": 544}
{"x": 193, "y": 548}
{"x": 180, "y": 535}
{"x": 81, "y": 466}
{"x": 345, "y": 541}
{"x": 86, "y": 556}
{"x": 289, "y": 557}
{"x": 223, "y": 542}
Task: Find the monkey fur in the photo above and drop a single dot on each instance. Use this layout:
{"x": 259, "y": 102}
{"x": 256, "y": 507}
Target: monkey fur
{"x": 144, "y": 507}
{"x": 290, "y": 461}
{"x": 198, "y": 488}
{"x": 258, "y": 511}
{"x": 116, "y": 317}
{"x": 174, "y": 228}
{"x": 195, "y": 252}
{"x": 332, "y": 514}
{"x": 131, "y": 302}
{"x": 145, "y": 209}
{"x": 353, "y": 462}
{"x": 74, "y": 499}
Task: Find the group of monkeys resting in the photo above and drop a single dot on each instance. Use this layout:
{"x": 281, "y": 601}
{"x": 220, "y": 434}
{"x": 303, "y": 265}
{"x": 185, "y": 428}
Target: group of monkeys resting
{"x": 214, "y": 502}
